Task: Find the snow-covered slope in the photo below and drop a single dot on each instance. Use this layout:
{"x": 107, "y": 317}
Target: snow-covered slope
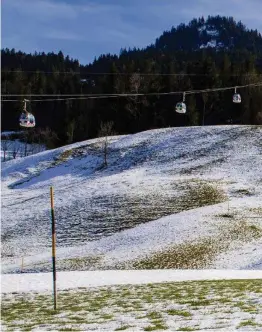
{"x": 166, "y": 189}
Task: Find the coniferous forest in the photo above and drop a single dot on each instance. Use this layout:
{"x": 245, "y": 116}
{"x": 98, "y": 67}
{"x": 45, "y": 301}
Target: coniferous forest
{"x": 205, "y": 54}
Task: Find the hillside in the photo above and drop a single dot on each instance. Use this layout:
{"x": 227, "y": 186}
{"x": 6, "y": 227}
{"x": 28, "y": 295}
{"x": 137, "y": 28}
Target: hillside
{"x": 206, "y": 53}
{"x": 169, "y": 198}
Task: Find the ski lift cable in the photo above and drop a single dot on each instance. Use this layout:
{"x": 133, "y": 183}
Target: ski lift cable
{"x": 224, "y": 89}
{"x": 103, "y": 96}
{"x": 63, "y": 99}
{"x": 123, "y": 74}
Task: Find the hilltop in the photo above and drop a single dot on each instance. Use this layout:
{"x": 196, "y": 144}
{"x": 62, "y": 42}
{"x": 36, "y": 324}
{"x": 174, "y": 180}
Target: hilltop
{"x": 219, "y": 33}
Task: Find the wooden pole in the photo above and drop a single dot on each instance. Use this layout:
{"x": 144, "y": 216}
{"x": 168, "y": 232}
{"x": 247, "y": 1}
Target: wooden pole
{"x": 53, "y": 244}
{"x": 22, "y": 266}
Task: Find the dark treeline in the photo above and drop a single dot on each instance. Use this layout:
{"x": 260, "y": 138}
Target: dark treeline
{"x": 236, "y": 60}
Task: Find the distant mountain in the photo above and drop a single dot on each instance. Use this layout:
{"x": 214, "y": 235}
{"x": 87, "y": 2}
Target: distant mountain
{"x": 214, "y": 36}
{"x": 214, "y": 32}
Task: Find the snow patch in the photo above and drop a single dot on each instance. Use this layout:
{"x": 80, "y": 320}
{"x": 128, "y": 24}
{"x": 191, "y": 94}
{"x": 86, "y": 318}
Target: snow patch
{"x": 42, "y": 282}
{"x": 212, "y": 43}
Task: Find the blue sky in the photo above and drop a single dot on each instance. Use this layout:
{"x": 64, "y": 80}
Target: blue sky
{"x": 84, "y": 29}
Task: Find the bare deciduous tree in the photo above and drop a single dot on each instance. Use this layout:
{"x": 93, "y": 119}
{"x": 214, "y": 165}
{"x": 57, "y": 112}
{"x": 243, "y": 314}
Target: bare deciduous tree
{"x": 25, "y": 139}
{"x": 46, "y": 137}
{"x": 135, "y": 85}
{"x": 204, "y": 98}
{"x": 17, "y": 146}
{"x": 5, "y": 144}
{"x": 71, "y": 131}
{"x": 106, "y": 129}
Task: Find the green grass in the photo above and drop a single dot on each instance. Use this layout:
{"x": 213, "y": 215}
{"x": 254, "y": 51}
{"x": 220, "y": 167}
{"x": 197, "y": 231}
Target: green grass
{"x": 107, "y": 316}
{"x": 154, "y": 315}
{"x": 247, "y": 323}
{"x": 155, "y": 327}
{"x": 199, "y": 303}
{"x": 81, "y": 309}
{"x": 122, "y": 328}
{"x": 174, "y": 312}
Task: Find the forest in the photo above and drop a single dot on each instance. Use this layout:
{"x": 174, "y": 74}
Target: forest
{"x": 205, "y": 54}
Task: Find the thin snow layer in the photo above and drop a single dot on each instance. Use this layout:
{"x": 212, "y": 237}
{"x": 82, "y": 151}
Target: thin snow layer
{"x": 217, "y": 305}
{"x": 107, "y": 211}
{"x": 157, "y": 235}
{"x": 41, "y": 282}
{"x": 212, "y": 32}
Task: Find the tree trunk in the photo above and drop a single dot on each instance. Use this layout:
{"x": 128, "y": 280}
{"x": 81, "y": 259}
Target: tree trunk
{"x": 105, "y": 153}
{"x": 204, "y": 111}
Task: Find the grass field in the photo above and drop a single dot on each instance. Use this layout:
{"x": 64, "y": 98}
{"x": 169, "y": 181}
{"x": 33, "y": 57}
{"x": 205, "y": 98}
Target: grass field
{"x": 179, "y": 306}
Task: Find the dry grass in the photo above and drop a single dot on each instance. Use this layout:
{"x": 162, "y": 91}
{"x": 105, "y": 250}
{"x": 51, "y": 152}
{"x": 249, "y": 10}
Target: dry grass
{"x": 78, "y": 263}
{"x": 63, "y": 157}
{"x": 67, "y": 264}
{"x": 200, "y": 254}
{"x": 205, "y": 194}
{"x": 186, "y": 256}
